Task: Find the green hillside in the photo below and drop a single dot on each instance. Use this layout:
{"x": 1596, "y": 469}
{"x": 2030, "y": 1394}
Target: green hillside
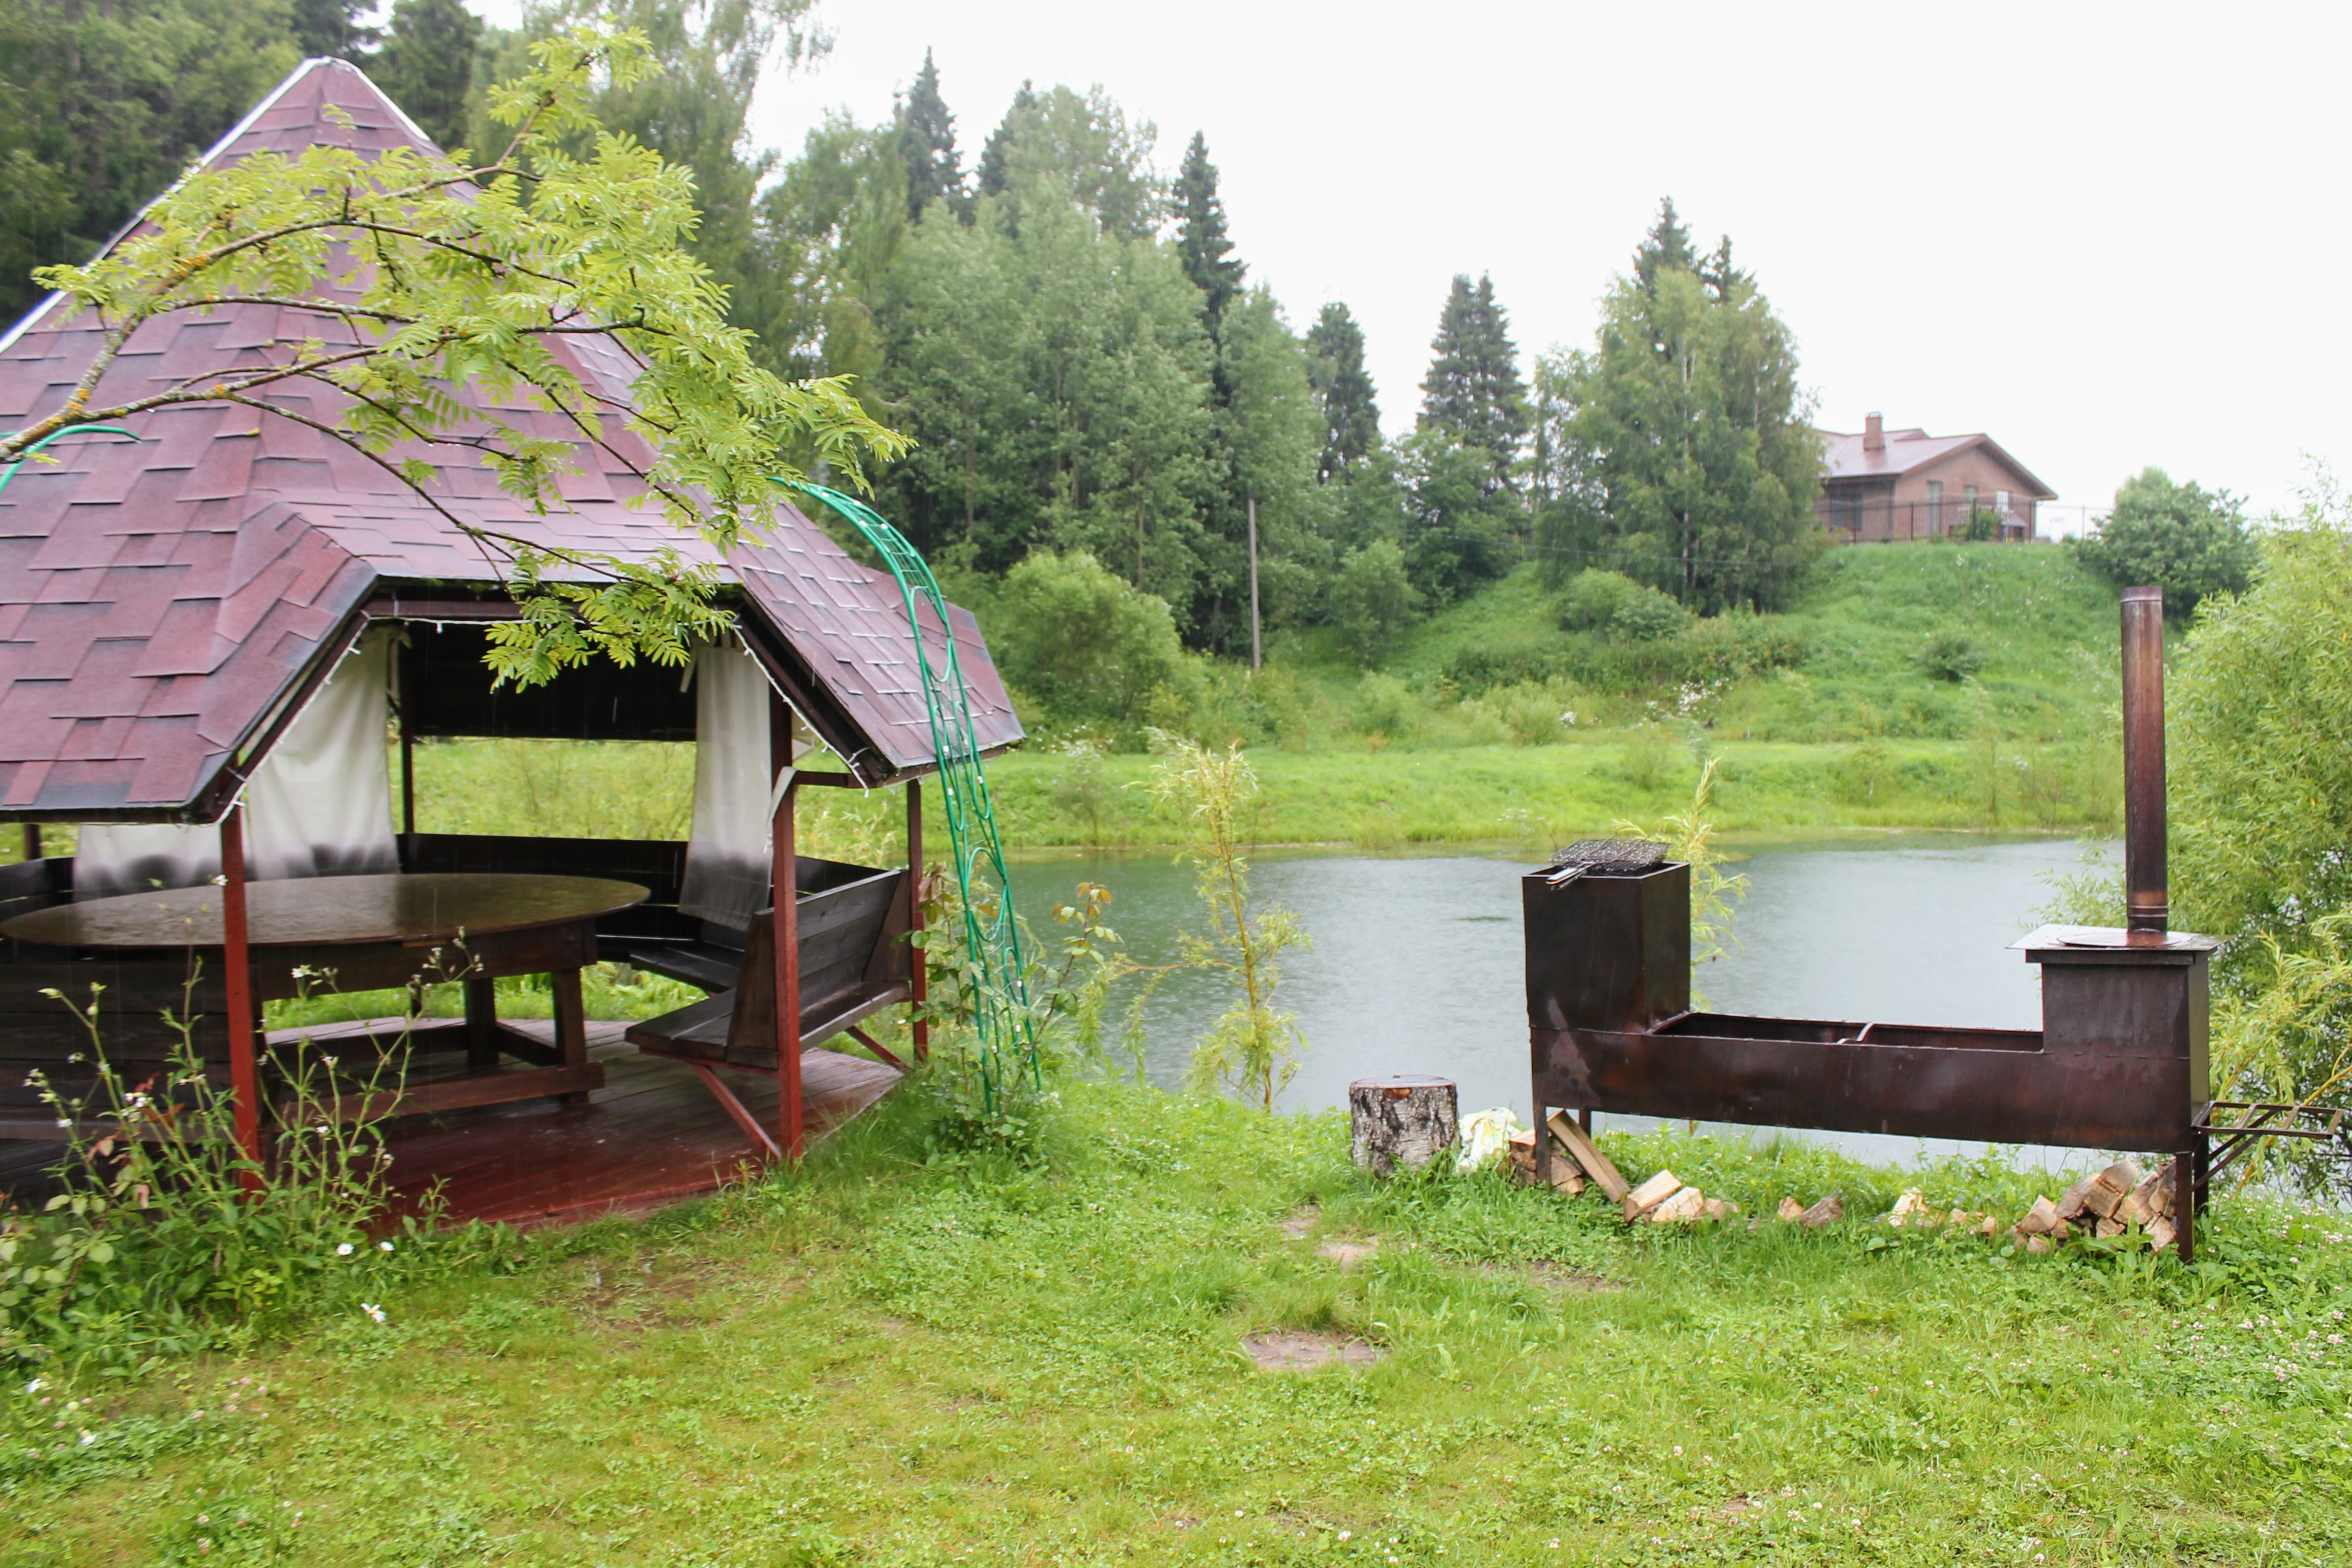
{"x": 1904, "y": 642}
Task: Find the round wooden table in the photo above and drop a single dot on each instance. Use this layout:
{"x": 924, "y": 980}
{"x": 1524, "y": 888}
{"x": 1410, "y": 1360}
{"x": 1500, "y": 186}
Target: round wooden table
{"x": 364, "y": 933}
{"x": 405, "y": 911}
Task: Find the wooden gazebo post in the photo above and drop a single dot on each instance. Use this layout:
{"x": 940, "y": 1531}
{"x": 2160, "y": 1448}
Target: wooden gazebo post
{"x": 236, "y": 973}
{"x": 918, "y": 981}
{"x": 784, "y": 927}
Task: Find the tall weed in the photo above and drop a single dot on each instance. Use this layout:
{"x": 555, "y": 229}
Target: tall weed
{"x": 165, "y": 1239}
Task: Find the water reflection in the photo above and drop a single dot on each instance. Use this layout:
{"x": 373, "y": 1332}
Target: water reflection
{"x": 1416, "y": 962}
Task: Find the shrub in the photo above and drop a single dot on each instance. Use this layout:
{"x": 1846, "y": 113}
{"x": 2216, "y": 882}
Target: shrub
{"x": 1374, "y": 601}
{"x": 1091, "y": 645}
{"x": 1951, "y": 656}
{"x": 1612, "y": 604}
{"x": 2189, "y": 540}
{"x": 1385, "y": 706}
{"x": 1507, "y": 661}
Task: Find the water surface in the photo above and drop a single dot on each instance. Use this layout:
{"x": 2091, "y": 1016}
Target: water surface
{"x": 1416, "y": 964}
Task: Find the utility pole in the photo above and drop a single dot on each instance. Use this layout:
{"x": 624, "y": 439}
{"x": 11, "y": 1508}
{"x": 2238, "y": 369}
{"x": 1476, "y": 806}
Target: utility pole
{"x": 1257, "y": 652}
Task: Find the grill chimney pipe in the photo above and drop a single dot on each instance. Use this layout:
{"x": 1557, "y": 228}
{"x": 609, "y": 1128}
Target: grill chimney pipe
{"x": 2146, "y": 907}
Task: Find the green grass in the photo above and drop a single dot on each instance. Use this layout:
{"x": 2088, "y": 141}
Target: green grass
{"x": 885, "y": 1361}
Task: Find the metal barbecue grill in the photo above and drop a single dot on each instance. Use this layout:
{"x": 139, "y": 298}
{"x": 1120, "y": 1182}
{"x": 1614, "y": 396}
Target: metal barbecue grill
{"x": 2120, "y": 1061}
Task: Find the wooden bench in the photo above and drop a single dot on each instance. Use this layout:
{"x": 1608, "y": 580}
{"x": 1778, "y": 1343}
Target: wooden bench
{"x": 855, "y": 961}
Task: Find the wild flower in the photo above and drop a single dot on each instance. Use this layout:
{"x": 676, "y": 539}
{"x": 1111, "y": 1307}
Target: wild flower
{"x": 373, "y": 1311}
{"x": 344, "y": 1250}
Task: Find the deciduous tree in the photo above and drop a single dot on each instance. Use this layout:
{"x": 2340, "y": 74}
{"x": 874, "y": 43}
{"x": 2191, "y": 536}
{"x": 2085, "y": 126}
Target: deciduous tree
{"x": 101, "y": 106}
{"x": 2188, "y": 540}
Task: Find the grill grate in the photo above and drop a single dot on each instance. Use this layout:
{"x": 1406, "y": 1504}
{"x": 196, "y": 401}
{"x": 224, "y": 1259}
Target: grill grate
{"x": 1609, "y": 857}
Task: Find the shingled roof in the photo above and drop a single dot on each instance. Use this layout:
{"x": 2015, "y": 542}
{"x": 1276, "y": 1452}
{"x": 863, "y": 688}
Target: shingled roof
{"x": 164, "y": 604}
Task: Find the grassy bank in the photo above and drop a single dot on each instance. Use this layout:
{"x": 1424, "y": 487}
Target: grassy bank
{"x": 1377, "y": 796}
{"x": 887, "y": 1362}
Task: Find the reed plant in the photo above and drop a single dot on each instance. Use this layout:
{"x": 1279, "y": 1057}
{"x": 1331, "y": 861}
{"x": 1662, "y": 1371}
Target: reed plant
{"x": 1252, "y": 1048}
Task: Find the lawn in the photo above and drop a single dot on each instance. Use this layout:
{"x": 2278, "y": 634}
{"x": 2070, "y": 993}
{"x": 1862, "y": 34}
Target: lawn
{"x": 900, "y": 1356}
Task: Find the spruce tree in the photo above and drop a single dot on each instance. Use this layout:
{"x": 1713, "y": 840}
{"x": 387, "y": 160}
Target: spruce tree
{"x": 994, "y": 172}
{"x": 426, "y": 65}
{"x": 927, "y": 145}
{"x": 1351, "y": 418}
{"x": 332, "y": 28}
{"x": 1473, "y": 393}
{"x": 1667, "y": 245}
{"x": 1447, "y": 391}
{"x": 1723, "y": 280}
{"x": 1201, "y": 238}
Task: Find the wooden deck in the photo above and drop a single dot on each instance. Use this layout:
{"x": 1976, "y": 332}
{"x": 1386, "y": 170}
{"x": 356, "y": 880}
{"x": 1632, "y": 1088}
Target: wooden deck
{"x": 652, "y": 1135}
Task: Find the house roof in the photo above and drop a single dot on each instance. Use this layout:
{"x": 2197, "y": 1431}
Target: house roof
{"x": 1906, "y": 452}
{"x": 165, "y": 604}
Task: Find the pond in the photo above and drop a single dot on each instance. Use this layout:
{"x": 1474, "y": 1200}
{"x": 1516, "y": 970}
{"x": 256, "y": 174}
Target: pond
{"x": 1416, "y": 962}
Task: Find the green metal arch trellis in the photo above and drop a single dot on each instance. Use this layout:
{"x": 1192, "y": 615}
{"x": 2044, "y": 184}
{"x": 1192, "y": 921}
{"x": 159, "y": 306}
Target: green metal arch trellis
{"x": 996, "y": 971}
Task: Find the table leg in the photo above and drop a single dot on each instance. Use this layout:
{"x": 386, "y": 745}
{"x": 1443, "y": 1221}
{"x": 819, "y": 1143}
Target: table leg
{"x": 570, "y": 1025}
{"x": 482, "y": 1026}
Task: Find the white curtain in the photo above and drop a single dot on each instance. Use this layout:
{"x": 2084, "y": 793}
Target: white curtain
{"x": 729, "y": 847}
{"x": 319, "y": 805}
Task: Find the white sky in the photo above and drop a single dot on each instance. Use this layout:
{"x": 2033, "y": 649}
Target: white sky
{"x": 2086, "y": 229}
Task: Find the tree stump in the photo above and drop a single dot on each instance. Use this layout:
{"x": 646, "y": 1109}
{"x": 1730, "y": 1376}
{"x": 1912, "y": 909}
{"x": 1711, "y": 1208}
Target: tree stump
{"x": 1406, "y": 1119}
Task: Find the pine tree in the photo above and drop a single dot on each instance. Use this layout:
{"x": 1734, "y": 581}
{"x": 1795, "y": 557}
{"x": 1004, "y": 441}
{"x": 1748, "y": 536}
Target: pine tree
{"x": 426, "y": 65}
{"x": 994, "y": 172}
{"x": 1201, "y": 238}
{"x": 927, "y": 145}
{"x": 332, "y": 28}
{"x": 1351, "y": 418}
{"x": 1473, "y": 394}
{"x": 1667, "y": 246}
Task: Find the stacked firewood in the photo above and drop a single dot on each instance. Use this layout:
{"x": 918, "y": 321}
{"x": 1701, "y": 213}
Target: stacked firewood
{"x": 2109, "y": 1204}
{"x": 1577, "y": 1162}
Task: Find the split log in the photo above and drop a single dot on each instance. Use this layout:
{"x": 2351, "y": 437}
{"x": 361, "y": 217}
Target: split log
{"x": 1650, "y": 1194}
{"x": 1685, "y": 1204}
{"x": 1717, "y": 1208}
{"x": 1565, "y": 1176}
{"x": 2098, "y": 1196}
{"x": 1406, "y": 1119}
{"x": 2151, "y": 1200}
{"x": 1791, "y": 1210}
{"x": 1829, "y": 1211}
{"x": 2041, "y": 1220}
{"x": 1588, "y": 1155}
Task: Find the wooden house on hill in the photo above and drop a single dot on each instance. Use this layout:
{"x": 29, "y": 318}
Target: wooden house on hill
{"x": 178, "y": 610}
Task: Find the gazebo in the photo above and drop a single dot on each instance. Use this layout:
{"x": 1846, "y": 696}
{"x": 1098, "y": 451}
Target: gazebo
{"x": 208, "y": 633}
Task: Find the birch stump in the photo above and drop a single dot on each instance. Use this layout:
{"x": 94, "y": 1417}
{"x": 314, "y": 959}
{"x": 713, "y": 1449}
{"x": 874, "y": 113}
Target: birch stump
{"x": 1406, "y": 1119}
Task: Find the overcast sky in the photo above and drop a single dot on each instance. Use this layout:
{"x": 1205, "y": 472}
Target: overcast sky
{"x": 2089, "y": 230}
